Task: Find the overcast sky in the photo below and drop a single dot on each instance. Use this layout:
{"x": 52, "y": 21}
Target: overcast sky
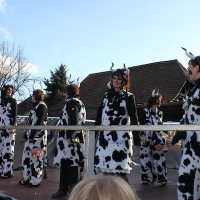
{"x": 87, "y": 35}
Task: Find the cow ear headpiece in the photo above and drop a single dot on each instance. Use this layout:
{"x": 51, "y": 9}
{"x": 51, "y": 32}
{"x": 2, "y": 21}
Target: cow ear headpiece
{"x": 189, "y": 54}
{"x": 155, "y": 92}
{"x": 35, "y": 86}
{"x": 155, "y": 98}
{"x": 125, "y": 70}
{"x": 78, "y": 82}
{"x": 195, "y": 60}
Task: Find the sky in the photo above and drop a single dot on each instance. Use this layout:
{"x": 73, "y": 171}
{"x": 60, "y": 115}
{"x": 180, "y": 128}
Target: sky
{"x": 87, "y": 35}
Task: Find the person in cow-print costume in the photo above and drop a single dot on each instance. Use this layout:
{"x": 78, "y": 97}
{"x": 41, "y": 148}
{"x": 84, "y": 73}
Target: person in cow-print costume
{"x": 153, "y": 165}
{"x": 70, "y": 146}
{"x": 8, "y": 116}
{"x": 188, "y": 186}
{"x": 36, "y": 142}
{"x": 114, "y": 149}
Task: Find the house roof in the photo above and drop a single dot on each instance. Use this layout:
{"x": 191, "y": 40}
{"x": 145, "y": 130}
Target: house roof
{"x": 168, "y": 76}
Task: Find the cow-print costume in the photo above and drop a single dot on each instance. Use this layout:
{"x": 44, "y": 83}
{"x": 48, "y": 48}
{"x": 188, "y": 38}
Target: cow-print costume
{"x": 189, "y": 170}
{"x": 153, "y": 165}
{"x": 8, "y": 116}
{"x": 114, "y": 149}
{"x": 70, "y": 146}
{"x": 32, "y": 166}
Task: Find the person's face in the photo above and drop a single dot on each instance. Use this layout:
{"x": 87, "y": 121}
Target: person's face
{"x": 65, "y": 94}
{"x": 193, "y": 72}
{"x": 8, "y": 92}
{"x": 33, "y": 98}
{"x": 157, "y": 105}
{"x": 117, "y": 81}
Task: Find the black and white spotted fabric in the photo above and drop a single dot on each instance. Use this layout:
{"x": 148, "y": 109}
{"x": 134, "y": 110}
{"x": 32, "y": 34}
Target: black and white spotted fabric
{"x": 73, "y": 113}
{"x": 153, "y": 165}
{"x": 189, "y": 170}
{"x": 32, "y": 167}
{"x": 114, "y": 149}
{"x": 8, "y": 116}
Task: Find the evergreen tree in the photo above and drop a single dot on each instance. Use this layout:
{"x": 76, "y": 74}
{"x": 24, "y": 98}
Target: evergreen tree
{"x": 57, "y": 82}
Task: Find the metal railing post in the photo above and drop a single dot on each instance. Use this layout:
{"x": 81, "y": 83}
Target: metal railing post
{"x": 90, "y": 149}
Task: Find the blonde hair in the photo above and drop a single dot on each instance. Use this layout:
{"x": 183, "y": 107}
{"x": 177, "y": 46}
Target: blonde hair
{"x": 103, "y": 187}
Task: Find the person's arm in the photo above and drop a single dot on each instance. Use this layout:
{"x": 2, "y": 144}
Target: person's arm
{"x": 179, "y": 135}
{"x": 98, "y": 119}
{"x": 195, "y": 97}
{"x": 13, "y": 112}
{"x": 99, "y": 115}
{"x": 158, "y": 135}
{"x": 142, "y": 119}
{"x": 41, "y": 114}
{"x": 73, "y": 108}
{"x": 132, "y": 111}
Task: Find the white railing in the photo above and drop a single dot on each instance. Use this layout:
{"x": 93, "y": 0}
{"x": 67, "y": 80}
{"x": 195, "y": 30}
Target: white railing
{"x": 172, "y": 127}
{"x": 90, "y": 135}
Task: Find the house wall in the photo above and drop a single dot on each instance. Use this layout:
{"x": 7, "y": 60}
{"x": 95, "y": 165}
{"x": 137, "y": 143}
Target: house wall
{"x": 91, "y": 113}
{"x": 172, "y": 113}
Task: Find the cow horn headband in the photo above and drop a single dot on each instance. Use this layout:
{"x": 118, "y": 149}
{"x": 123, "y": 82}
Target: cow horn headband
{"x": 125, "y": 68}
{"x": 189, "y": 54}
{"x": 77, "y": 81}
{"x": 34, "y": 85}
{"x": 155, "y": 92}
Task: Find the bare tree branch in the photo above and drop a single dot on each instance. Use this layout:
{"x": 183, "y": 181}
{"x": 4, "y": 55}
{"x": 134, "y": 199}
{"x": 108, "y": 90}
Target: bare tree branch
{"x": 14, "y": 68}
